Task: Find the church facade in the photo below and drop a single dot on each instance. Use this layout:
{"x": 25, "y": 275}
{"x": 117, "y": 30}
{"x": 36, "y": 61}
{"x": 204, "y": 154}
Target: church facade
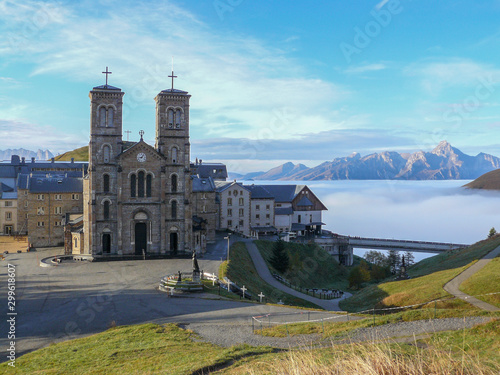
{"x": 137, "y": 198}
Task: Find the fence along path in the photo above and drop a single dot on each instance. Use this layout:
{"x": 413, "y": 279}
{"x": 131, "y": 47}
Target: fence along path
{"x": 265, "y": 274}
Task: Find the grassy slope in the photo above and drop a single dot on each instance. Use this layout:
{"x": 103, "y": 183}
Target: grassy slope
{"x": 488, "y": 181}
{"x": 242, "y": 271}
{"x": 310, "y": 266}
{"x": 140, "y": 349}
{"x": 485, "y": 281}
{"x": 80, "y": 154}
{"x": 428, "y": 279}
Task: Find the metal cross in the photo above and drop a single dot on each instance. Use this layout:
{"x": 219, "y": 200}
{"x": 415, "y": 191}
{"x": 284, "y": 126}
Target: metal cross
{"x": 128, "y": 132}
{"x": 243, "y": 289}
{"x": 107, "y": 72}
{"x": 261, "y": 295}
{"x": 172, "y": 76}
{"x": 141, "y": 133}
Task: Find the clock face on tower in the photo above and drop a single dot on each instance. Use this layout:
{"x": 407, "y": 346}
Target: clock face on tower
{"x": 141, "y": 157}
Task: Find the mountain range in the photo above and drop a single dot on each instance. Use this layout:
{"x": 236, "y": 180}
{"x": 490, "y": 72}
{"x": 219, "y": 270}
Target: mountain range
{"x": 28, "y": 154}
{"x": 445, "y": 162}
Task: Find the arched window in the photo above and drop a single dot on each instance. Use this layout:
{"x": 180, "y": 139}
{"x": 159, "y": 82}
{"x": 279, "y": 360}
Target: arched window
{"x": 132, "y": 185}
{"x": 149, "y": 180}
{"x": 106, "y": 153}
{"x": 102, "y": 116}
{"x": 174, "y": 209}
{"x": 178, "y": 119}
{"x": 105, "y": 183}
{"x": 106, "y": 210}
{"x": 174, "y": 155}
{"x": 110, "y": 117}
{"x": 174, "y": 183}
{"x": 140, "y": 184}
{"x": 170, "y": 118}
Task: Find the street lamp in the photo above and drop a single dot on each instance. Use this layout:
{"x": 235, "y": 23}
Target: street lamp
{"x": 227, "y": 238}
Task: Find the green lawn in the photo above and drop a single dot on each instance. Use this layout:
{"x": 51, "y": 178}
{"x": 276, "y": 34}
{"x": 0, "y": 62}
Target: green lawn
{"x": 310, "y": 266}
{"x": 139, "y": 349}
{"x": 241, "y": 270}
{"x": 426, "y": 284}
{"x": 487, "y": 280}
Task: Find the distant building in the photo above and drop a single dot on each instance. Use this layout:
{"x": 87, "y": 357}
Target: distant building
{"x": 234, "y": 207}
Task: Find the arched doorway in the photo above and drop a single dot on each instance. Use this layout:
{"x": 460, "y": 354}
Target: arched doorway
{"x": 141, "y": 238}
{"x": 174, "y": 243}
{"x": 106, "y": 243}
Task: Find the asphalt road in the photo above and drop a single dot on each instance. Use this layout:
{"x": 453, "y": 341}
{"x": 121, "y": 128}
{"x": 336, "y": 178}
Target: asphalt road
{"x": 72, "y": 300}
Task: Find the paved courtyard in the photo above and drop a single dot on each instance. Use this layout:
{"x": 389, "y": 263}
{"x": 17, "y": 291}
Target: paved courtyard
{"x": 76, "y": 299}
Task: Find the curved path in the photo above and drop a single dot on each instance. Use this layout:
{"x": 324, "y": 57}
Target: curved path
{"x": 453, "y": 285}
{"x": 263, "y": 271}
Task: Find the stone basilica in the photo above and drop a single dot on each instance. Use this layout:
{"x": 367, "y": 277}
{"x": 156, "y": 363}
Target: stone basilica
{"x": 136, "y": 198}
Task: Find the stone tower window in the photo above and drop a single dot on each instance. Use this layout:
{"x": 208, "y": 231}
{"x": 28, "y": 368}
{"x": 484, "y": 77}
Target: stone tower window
{"x": 174, "y": 155}
{"x": 174, "y": 183}
{"x": 174, "y": 209}
{"x": 106, "y": 153}
{"x": 170, "y": 118}
{"x": 102, "y": 116}
{"x": 105, "y": 183}
{"x": 149, "y": 180}
{"x": 110, "y": 118}
{"x": 140, "y": 184}
{"x": 132, "y": 185}
{"x": 106, "y": 210}
{"x": 178, "y": 119}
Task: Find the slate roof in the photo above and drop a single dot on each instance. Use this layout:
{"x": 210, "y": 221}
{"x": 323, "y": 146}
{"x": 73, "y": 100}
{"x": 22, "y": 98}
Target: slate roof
{"x": 53, "y": 184}
{"x": 106, "y": 87}
{"x": 5, "y": 188}
{"x": 266, "y": 228}
{"x": 217, "y": 171}
{"x": 305, "y": 202}
{"x": 259, "y": 192}
{"x": 202, "y": 184}
{"x": 223, "y": 185}
{"x": 174, "y": 91}
{"x": 283, "y": 193}
{"x": 297, "y": 226}
{"x": 283, "y": 211}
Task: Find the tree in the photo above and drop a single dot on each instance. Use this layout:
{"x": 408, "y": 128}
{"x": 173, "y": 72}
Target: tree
{"x": 409, "y": 259}
{"x": 280, "y": 260}
{"x": 492, "y": 233}
{"x": 377, "y": 258}
{"x": 394, "y": 260}
{"x": 359, "y": 275}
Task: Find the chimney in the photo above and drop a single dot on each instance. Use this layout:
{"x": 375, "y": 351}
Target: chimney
{"x": 72, "y": 160}
{"x": 52, "y": 160}
{"x": 14, "y": 159}
{"x": 23, "y": 160}
{"x": 32, "y": 160}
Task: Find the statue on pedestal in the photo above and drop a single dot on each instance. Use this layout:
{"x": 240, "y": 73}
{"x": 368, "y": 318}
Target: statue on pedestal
{"x": 196, "y": 268}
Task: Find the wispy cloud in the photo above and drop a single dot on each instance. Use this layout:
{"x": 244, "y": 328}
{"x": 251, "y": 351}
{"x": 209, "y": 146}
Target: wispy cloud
{"x": 366, "y": 68}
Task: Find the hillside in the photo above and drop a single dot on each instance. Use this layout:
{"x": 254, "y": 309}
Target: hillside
{"x": 427, "y": 279}
{"x": 82, "y": 153}
{"x": 488, "y": 181}
{"x": 444, "y": 162}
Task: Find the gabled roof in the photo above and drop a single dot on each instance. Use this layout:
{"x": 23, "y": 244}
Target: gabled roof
{"x": 137, "y": 145}
{"x": 259, "y": 192}
{"x": 305, "y": 202}
{"x": 223, "y": 185}
{"x": 217, "y": 171}
{"x": 283, "y": 193}
{"x": 202, "y": 184}
{"x": 5, "y": 188}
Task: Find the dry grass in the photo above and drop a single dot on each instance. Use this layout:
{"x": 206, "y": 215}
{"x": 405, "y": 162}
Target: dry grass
{"x": 373, "y": 359}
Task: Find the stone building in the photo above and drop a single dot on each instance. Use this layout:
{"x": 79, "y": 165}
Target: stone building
{"x": 234, "y": 207}
{"x": 205, "y": 208}
{"x": 137, "y": 200}
{"x": 262, "y": 211}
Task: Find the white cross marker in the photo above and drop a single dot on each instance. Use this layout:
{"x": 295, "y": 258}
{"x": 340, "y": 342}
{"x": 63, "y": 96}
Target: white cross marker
{"x": 261, "y": 295}
{"x": 243, "y": 290}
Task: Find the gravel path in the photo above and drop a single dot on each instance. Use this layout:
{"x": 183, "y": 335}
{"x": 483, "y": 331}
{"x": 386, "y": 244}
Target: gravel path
{"x": 453, "y": 286}
{"x": 226, "y": 334}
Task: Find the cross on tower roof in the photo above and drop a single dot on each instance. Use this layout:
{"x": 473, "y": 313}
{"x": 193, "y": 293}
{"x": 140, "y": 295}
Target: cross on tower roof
{"x": 107, "y": 72}
{"x": 172, "y": 76}
{"x": 141, "y": 133}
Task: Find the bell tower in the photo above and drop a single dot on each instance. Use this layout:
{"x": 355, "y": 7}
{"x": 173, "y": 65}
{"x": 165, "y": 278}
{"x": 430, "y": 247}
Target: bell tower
{"x": 100, "y": 186}
{"x": 172, "y": 140}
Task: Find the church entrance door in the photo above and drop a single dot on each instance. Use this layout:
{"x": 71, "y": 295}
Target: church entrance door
{"x": 173, "y": 243}
{"x": 141, "y": 240}
{"x": 106, "y": 243}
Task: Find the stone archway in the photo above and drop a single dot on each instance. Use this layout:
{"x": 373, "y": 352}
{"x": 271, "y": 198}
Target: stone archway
{"x": 141, "y": 224}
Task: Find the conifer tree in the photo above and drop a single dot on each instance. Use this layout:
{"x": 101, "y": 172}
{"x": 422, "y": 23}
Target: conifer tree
{"x": 279, "y": 259}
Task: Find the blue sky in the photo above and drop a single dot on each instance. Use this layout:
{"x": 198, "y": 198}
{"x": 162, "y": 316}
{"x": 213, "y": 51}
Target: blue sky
{"x": 270, "y": 81}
